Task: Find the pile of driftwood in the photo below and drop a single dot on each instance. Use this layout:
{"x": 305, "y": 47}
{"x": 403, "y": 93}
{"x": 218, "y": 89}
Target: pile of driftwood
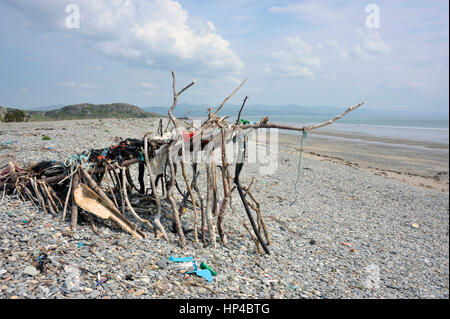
{"x": 80, "y": 183}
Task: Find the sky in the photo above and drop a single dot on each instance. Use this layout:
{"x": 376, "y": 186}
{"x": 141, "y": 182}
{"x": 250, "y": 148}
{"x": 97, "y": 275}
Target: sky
{"x": 392, "y": 55}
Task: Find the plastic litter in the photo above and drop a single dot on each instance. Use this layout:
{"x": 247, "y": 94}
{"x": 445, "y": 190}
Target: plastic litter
{"x": 203, "y": 265}
{"x": 102, "y": 280}
{"x": 41, "y": 261}
{"x": 181, "y": 259}
{"x": 205, "y": 273}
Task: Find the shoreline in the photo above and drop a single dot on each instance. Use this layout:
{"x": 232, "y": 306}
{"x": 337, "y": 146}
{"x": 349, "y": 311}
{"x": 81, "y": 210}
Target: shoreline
{"x": 383, "y": 140}
{"x": 426, "y": 167}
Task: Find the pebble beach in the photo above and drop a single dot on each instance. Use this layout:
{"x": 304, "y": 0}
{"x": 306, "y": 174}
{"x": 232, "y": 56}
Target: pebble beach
{"x": 353, "y": 232}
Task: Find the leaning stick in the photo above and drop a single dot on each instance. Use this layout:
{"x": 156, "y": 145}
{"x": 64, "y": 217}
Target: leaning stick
{"x": 69, "y": 191}
{"x": 30, "y": 195}
{"x": 202, "y": 211}
{"x": 157, "y": 219}
{"x": 261, "y": 222}
{"x": 171, "y": 166}
{"x": 189, "y": 188}
{"x": 172, "y": 200}
{"x": 74, "y": 214}
{"x": 130, "y": 180}
{"x": 50, "y": 200}
{"x": 54, "y": 195}
{"x": 255, "y": 240}
{"x": 257, "y": 209}
{"x": 127, "y": 201}
{"x": 111, "y": 191}
{"x": 226, "y": 191}
{"x": 239, "y": 165}
{"x": 210, "y": 201}
{"x": 4, "y": 192}
{"x": 228, "y": 97}
{"x": 239, "y": 114}
{"x": 38, "y": 194}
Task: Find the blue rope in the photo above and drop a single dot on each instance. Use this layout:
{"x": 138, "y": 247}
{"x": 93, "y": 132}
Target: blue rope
{"x": 299, "y": 167}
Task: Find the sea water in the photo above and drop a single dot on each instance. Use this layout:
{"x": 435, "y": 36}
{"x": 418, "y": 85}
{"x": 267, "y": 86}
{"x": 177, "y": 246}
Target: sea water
{"x": 425, "y": 129}
{"x": 410, "y": 128}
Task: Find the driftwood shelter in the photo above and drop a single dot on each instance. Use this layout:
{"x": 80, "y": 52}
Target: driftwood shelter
{"x": 84, "y": 180}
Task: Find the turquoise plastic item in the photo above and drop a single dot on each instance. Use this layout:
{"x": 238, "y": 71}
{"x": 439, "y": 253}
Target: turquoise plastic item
{"x": 205, "y": 273}
{"x": 180, "y": 259}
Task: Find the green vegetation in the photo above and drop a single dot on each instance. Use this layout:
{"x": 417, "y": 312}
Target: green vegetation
{"x": 93, "y": 111}
{"x": 77, "y": 112}
{"x": 16, "y": 116}
{"x": 46, "y": 138}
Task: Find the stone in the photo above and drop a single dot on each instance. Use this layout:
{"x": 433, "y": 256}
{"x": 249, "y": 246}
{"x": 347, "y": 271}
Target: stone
{"x": 45, "y": 290}
{"x": 162, "y": 264}
{"x": 95, "y": 294}
{"x": 139, "y": 292}
{"x": 30, "y": 271}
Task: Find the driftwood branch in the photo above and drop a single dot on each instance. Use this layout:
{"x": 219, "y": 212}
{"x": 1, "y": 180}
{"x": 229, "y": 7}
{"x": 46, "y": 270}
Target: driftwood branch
{"x": 240, "y": 110}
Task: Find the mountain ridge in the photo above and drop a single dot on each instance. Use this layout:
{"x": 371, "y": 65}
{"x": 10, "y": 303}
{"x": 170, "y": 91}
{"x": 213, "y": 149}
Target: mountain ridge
{"x": 77, "y": 111}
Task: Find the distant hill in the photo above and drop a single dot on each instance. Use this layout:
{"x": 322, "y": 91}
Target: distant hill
{"x": 44, "y": 108}
{"x": 86, "y": 111}
{"x": 199, "y": 110}
{"x": 255, "y": 109}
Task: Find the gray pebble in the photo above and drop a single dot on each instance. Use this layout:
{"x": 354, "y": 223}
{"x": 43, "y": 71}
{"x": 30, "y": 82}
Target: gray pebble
{"x": 94, "y": 294}
{"x": 162, "y": 263}
{"x": 30, "y": 271}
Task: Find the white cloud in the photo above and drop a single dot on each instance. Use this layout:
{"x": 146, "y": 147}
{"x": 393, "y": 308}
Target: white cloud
{"x": 95, "y": 67}
{"x": 332, "y": 46}
{"x": 360, "y": 53}
{"x": 313, "y": 11}
{"x": 24, "y": 90}
{"x": 157, "y": 34}
{"x": 243, "y": 18}
{"x": 149, "y": 85}
{"x": 372, "y": 44}
{"x": 408, "y": 84}
{"x": 78, "y": 85}
{"x": 294, "y": 61}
